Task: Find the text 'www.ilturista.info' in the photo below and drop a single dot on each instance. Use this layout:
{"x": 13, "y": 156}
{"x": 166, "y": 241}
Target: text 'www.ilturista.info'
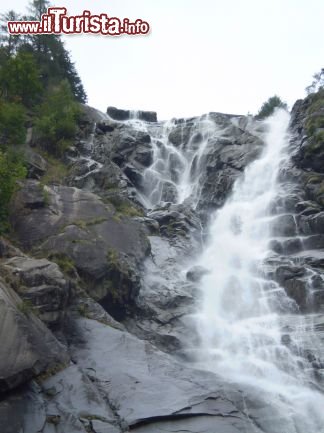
{"x": 56, "y": 21}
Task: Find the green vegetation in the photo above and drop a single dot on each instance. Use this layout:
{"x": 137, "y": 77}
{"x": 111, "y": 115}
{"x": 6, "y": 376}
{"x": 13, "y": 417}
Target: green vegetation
{"x": 51, "y": 372}
{"x": 12, "y": 123}
{"x": 26, "y": 307}
{"x": 56, "y": 124}
{"x": 20, "y": 79}
{"x": 112, "y": 256}
{"x": 46, "y": 197}
{"x": 11, "y": 170}
{"x": 39, "y": 88}
{"x": 269, "y": 107}
{"x": 124, "y": 207}
{"x": 317, "y": 83}
{"x": 64, "y": 262}
{"x": 314, "y": 124}
{"x": 83, "y": 310}
{"x": 56, "y": 170}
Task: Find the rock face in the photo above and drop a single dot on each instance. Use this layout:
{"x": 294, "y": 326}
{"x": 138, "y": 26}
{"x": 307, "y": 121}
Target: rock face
{"x": 117, "y": 114}
{"x": 27, "y": 347}
{"x": 298, "y": 231}
{"x": 106, "y": 262}
{"x": 41, "y": 283}
{"x": 78, "y": 230}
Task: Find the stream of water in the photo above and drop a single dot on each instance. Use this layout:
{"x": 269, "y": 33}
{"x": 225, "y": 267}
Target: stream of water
{"x": 243, "y": 312}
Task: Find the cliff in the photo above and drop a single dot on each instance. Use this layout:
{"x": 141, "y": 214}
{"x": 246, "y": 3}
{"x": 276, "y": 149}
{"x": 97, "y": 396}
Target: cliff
{"x": 98, "y": 291}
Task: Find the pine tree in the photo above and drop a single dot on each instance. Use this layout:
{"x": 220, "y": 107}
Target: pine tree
{"x": 8, "y": 41}
{"x": 269, "y": 107}
{"x": 19, "y": 79}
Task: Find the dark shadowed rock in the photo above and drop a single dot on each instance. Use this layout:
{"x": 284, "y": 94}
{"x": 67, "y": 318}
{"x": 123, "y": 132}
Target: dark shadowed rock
{"x": 180, "y": 135}
{"x": 147, "y": 116}
{"x": 122, "y": 115}
{"x": 118, "y": 114}
{"x": 196, "y": 273}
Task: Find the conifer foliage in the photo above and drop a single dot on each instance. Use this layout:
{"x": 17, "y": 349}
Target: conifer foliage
{"x": 39, "y": 88}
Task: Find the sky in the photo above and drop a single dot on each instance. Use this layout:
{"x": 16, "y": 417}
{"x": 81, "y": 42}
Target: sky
{"x": 200, "y": 55}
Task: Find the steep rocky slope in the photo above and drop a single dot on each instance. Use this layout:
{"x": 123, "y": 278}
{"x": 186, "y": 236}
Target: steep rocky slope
{"x": 104, "y": 260}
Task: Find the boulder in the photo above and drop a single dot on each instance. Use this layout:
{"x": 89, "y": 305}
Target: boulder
{"x": 28, "y": 348}
{"x": 283, "y": 225}
{"x": 180, "y": 135}
{"x": 41, "y": 283}
{"x": 36, "y": 165}
{"x": 196, "y": 273}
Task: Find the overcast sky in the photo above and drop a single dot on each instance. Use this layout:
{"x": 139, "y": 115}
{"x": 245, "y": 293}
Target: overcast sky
{"x": 200, "y": 56}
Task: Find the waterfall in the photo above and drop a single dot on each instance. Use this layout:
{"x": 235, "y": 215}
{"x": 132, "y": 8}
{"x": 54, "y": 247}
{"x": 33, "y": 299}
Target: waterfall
{"x": 250, "y": 331}
{"x": 243, "y": 312}
{"x": 177, "y": 169}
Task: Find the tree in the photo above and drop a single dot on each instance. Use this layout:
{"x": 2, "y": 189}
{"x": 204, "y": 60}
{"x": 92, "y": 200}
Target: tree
{"x": 11, "y": 170}
{"x": 317, "y": 84}
{"x": 52, "y": 57}
{"x": 8, "y": 41}
{"x": 269, "y": 107}
{"x": 57, "y": 122}
{"x": 19, "y": 79}
{"x": 12, "y": 124}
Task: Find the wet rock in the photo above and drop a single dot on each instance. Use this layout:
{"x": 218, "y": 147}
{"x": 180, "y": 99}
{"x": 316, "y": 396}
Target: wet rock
{"x": 307, "y": 208}
{"x": 284, "y": 273}
{"x": 134, "y": 175}
{"x": 147, "y": 116}
{"x": 286, "y": 246}
{"x": 284, "y": 225}
{"x": 144, "y": 156}
{"x": 313, "y": 223}
{"x": 297, "y": 290}
{"x": 196, "y": 273}
{"x": 123, "y": 363}
{"x": 180, "y": 135}
{"x": 313, "y": 242}
{"x": 177, "y": 219}
{"x": 169, "y": 192}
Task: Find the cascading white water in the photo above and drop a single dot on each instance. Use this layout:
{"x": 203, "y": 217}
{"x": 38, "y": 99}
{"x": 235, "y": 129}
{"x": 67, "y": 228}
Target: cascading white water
{"x": 175, "y": 173}
{"x": 242, "y": 312}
